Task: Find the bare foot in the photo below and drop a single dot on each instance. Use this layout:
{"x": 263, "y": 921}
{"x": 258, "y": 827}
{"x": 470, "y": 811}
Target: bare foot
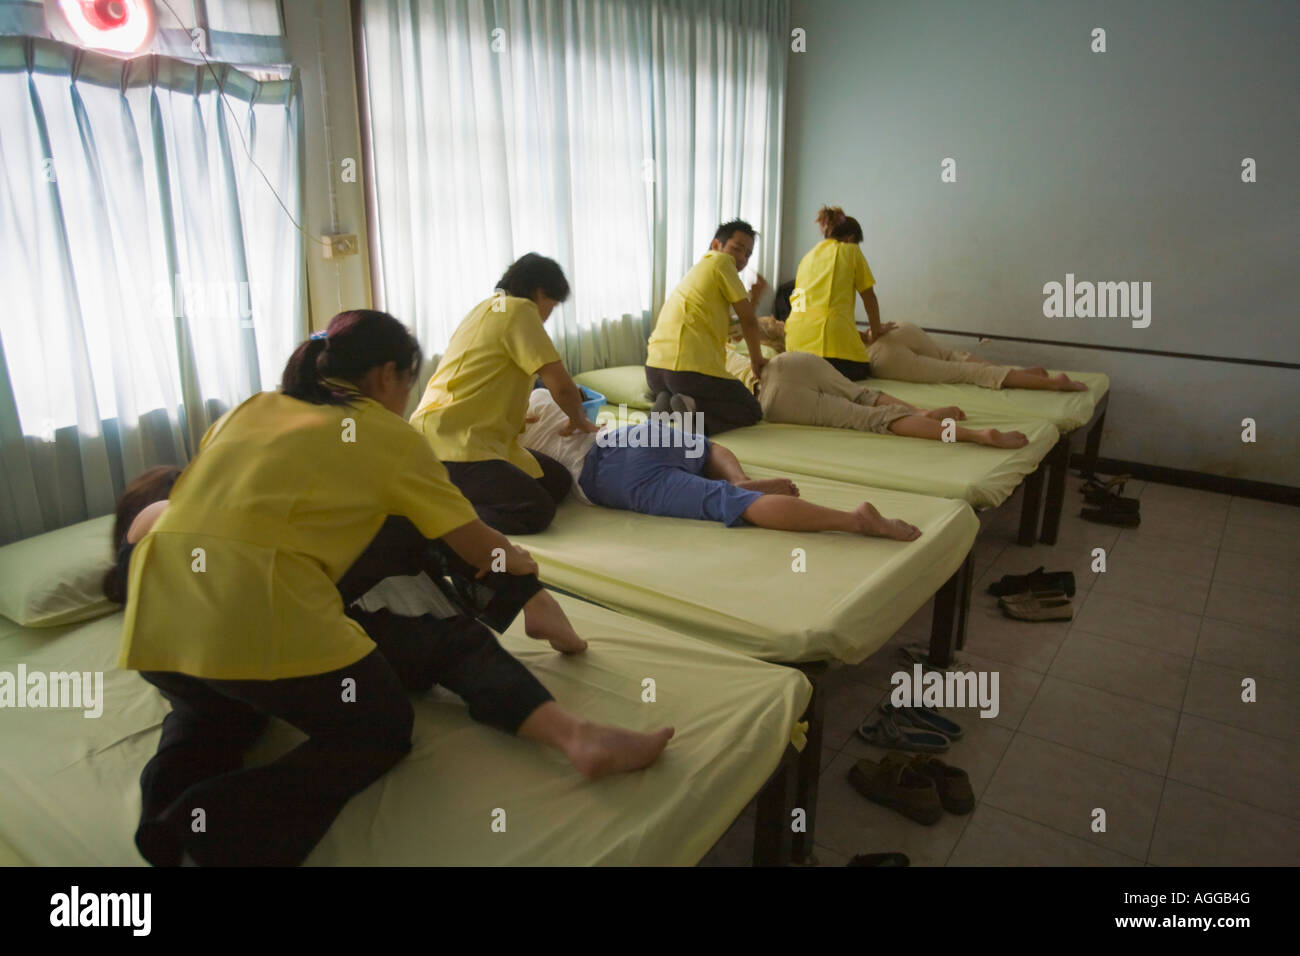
{"x": 996, "y": 439}
{"x": 770, "y": 486}
{"x": 597, "y": 750}
{"x": 1066, "y": 384}
{"x": 871, "y": 523}
{"x": 948, "y": 411}
{"x": 545, "y": 620}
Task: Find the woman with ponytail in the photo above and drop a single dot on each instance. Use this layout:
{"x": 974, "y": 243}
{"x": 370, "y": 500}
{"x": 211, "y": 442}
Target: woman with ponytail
{"x": 822, "y": 322}
{"x": 240, "y": 607}
{"x": 826, "y": 283}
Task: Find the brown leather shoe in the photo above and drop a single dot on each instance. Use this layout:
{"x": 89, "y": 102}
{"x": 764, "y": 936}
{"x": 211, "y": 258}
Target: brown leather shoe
{"x": 953, "y": 784}
{"x": 894, "y": 784}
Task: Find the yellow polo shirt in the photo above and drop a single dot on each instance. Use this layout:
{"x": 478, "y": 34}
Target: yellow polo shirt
{"x": 738, "y": 367}
{"x": 831, "y": 275}
{"x": 236, "y": 580}
{"x": 691, "y": 332}
{"x": 476, "y": 402}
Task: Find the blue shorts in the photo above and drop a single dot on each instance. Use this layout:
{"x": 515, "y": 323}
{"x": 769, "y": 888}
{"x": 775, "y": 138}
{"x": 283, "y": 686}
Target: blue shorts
{"x": 661, "y": 480}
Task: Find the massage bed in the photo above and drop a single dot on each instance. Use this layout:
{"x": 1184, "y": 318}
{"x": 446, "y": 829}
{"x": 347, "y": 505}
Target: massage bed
{"x": 983, "y": 477}
{"x": 69, "y": 791}
{"x": 1075, "y": 416}
{"x": 737, "y": 587}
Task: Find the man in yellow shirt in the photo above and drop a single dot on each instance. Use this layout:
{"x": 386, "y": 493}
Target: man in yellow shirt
{"x": 473, "y": 409}
{"x": 686, "y": 362}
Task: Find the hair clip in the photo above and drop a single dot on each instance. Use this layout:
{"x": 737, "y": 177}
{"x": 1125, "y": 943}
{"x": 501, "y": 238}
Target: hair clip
{"x": 323, "y": 333}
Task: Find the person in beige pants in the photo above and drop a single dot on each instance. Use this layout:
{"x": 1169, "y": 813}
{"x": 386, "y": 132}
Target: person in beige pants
{"x": 906, "y": 354}
{"x": 799, "y": 388}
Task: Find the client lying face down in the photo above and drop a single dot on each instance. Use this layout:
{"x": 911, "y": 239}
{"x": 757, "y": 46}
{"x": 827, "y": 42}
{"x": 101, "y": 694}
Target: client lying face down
{"x": 656, "y": 469}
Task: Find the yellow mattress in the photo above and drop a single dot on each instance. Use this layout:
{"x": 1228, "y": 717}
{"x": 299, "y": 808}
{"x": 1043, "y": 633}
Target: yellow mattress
{"x": 69, "y": 791}
{"x": 736, "y": 587}
{"x": 982, "y": 477}
{"x": 1012, "y": 407}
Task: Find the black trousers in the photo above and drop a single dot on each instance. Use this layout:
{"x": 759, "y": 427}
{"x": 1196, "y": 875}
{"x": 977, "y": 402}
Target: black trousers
{"x": 853, "y": 371}
{"x": 275, "y": 814}
{"x": 508, "y": 498}
{"x": 724, "y": 402}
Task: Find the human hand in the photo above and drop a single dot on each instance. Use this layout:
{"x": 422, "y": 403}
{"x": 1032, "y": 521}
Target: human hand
{"x": 518, "y": 562}
{"x": 586, "y": 426}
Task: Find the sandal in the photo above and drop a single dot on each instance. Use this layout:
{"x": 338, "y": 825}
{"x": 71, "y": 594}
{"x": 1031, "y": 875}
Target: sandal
{"x": 952, "y": 784}
{"x": 1101, "y": 494}
{"x": 1049, "y": 606}
{"x": 896, "y": 785}
{"x": 1094, "y": 485}
{"x": 1110, "y": 513}
{"x": 882, "y": 731}
{"x": 1036, "y": 580}
{"x": 922, "y": 718}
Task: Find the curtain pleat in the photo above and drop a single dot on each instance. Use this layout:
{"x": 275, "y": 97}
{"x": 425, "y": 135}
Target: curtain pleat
{"x": 152, "y": 280}
{"x": 611, "y": 135}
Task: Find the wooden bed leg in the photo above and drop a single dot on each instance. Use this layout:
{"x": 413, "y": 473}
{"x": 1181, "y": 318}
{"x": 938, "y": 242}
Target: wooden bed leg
{"x": 951, "y": 608}
{"x": 1057, "y": 471}
{"x": 1030, "y": 507}
{"x": 966, "y": 581}
{"x": 772, "y": 836}
{"x": 809, "y": 773}
{"x": 1092, "y": 448}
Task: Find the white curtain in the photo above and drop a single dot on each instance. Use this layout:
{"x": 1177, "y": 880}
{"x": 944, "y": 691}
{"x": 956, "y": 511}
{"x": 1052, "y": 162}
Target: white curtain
{"x": 151, "y": 279}
{"x": 611, "y": 135}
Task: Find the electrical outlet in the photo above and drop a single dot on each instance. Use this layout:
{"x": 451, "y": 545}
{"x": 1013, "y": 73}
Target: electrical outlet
{"x": 337, "y": 247}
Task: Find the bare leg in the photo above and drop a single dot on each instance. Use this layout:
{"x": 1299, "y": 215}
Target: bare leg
{"x": 1020, "y": 378}
{"x": 595, "y": 750}
{"x": 545, "y": 620}
{"x": 724, "y": 465}
{"x": 783, "y": 513}
{"x": 925, "y": 426}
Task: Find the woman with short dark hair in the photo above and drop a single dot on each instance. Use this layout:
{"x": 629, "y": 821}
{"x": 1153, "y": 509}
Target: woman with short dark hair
{"x": 473, "y": 408}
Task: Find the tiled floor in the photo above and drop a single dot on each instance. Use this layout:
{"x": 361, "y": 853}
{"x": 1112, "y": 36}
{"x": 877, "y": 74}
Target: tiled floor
{"x": 1134, "y": 707}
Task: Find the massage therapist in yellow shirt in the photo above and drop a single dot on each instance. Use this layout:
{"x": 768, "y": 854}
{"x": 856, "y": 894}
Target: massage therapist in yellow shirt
{"x": 472, "y": 412}
{"x": 829, "y": 278}
{"x": 237, "y": 610}
{"x": 831, "y": 274}
{"x": 686, "y": 361}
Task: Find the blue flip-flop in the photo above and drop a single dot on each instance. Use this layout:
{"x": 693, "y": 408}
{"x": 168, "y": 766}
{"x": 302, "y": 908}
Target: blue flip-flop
{"x": 922, "y": 718}
{"x": 882, "y": 731}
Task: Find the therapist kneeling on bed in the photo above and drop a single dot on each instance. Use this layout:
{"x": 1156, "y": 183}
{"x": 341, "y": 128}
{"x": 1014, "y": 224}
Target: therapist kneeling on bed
{"x": 237, "y": 609}
{"x": 473, "y": 409}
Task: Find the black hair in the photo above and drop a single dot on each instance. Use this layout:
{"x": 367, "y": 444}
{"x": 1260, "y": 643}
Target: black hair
{"x": 781, "y": 305}
{"x": 531, "y": 272}
{"x": 728, "y": 229}
{"x": 353, "y": 344}
{"x": 154, "y": 484}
